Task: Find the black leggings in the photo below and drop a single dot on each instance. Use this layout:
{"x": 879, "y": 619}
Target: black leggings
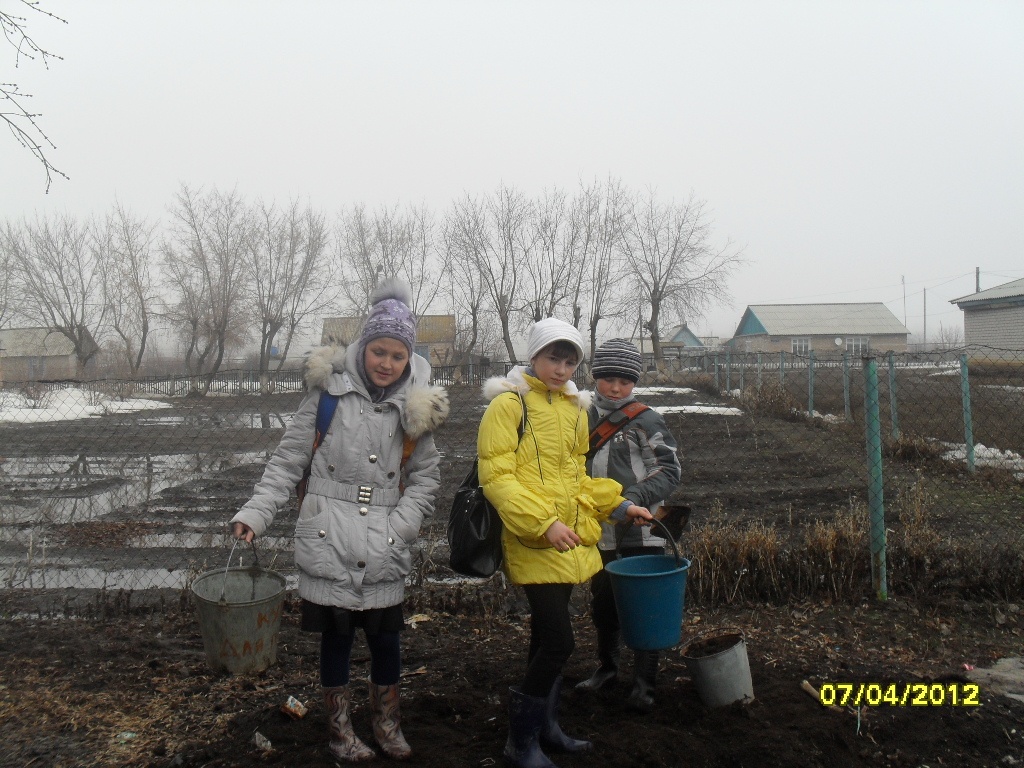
{"x": 551, "y": 637}
{"x": 336, "y": 650}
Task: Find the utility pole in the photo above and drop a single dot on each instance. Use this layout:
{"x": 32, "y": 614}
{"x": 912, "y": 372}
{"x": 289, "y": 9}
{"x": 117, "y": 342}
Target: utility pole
{"x": 977, "y": 279}
{"x": 903, "y": 279}
{"x": 925, "y": 333}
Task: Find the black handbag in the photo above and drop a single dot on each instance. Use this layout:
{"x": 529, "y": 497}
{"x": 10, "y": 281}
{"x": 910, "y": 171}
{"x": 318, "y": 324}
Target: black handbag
{"x": 474, "y": 530}
{"x": 474, "y": 527}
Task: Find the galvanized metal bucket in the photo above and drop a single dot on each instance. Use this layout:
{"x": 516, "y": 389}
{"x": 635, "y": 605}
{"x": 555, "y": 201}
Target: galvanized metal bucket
{"x": 239, "y": 611}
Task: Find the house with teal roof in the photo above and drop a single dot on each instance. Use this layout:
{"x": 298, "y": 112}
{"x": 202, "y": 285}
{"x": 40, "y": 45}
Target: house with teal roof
{"x": 801, "y": 328}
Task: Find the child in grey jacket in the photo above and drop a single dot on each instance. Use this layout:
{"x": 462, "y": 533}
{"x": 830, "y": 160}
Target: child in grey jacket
{"x": 642, "y": 456}
{"x": 369, "y": 484}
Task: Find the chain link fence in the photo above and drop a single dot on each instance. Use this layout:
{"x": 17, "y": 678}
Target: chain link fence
{"x": 809, "y": 477}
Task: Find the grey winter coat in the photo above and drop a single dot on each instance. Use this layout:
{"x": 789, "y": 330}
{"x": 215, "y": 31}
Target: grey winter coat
{"x": 353, "y": 553}
{"x": 642, "y": 456}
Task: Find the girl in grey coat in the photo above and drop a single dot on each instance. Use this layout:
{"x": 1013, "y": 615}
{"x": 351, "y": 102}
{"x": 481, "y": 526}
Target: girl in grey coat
{"x": 372, "y": 479}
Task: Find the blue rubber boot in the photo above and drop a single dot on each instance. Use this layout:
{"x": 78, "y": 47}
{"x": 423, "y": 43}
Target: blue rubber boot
{"x": 525, "y": 718}
{"x": 551, "y": 736}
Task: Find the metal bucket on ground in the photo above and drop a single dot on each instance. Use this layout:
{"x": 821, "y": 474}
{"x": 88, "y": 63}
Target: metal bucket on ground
{"x": 719, "y": 668}
{"x": 239, "y": 612}
{"x": 650, "y": 592}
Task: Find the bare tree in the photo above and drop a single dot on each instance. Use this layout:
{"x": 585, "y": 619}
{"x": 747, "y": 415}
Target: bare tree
{"x": 14, "y": 111}
{"x": 390, "y": 243}
{"x": 288, "y": 276}
{"x": 599, "y": 216}
{"x": 495, "y": 235}
{"x": 58, "y": 281}
{"x": 950, "y": 337}
{"x": 7, "y": 263}
{"x": 670, "y": 254}
{"x": 475, "y": 331}
{"x": 124, "y": 245}
{"x": 205, "y": 259}
{"x": 549, "y": 264}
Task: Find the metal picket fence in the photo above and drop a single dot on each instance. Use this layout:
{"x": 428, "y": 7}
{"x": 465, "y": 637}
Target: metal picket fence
{"x": 809, "y": 477}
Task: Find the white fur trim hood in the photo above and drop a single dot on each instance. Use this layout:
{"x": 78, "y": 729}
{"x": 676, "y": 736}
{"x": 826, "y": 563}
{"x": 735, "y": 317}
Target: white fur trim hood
{"x": 516, "y": 381}
{"x": 426, "y": 405}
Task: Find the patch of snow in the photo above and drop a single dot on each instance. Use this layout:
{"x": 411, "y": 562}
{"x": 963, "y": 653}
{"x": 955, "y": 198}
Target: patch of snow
{"x": 721, "y": 410}
{"x": 67, "y": 405}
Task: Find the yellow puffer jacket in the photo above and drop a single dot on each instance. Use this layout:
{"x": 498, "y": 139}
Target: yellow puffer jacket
{"x": 543, "y": 479}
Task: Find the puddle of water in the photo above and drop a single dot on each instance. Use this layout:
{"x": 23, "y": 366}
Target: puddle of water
{"x": 217, "y": 420}
{"x": 68, "y": 489}
{"x": 64, "y": 576}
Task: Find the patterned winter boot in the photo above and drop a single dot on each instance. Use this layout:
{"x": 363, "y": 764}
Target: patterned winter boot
{"x": 387, "y": 721}
{"x": 344, "y": 743}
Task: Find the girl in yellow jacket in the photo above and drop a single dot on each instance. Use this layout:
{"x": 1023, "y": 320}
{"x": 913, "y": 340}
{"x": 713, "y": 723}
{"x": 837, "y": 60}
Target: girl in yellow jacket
{"x": 552, "y": 514}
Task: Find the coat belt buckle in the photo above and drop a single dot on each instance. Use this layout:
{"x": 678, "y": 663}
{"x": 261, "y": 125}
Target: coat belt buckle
{"x": 365, "y": 494}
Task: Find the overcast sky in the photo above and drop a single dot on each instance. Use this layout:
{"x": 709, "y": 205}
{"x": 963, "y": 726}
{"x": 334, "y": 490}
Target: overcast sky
{"x": 849, "y": 147}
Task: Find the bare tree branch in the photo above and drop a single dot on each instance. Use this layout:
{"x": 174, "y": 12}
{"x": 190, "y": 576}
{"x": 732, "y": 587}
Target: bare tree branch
{"x": 14, "y": 112}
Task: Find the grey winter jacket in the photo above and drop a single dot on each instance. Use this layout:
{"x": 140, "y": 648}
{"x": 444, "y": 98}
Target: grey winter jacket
{"x": 355, "y": 526}
{"x": 642, "y": 456}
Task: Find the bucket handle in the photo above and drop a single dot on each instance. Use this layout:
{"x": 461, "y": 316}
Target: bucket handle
{"x": 255, "y": 557}
{"x": 668, "y": 537}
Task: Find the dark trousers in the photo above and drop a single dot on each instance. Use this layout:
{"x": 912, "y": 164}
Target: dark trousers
{"x": 602, "y": 600}
{"x": 551, "y": 636}
{"x": 336, "y": 652}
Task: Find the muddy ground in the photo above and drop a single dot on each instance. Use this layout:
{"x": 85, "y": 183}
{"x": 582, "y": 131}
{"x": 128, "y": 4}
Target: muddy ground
{"x": 137, "y": 691}
{"x": 120, "y": 679}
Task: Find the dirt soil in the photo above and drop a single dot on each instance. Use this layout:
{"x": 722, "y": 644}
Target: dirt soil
{"x": 136, "y": 691}
{"x": 131, "y": 687}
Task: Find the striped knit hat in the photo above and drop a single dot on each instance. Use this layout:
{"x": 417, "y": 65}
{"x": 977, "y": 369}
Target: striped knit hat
{"x": 617, "y": 358}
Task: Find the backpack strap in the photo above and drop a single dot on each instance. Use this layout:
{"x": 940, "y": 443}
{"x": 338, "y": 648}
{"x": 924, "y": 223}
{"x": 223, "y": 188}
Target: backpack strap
{"x": 607, "y": 427}
{"x": 325, "y": 409}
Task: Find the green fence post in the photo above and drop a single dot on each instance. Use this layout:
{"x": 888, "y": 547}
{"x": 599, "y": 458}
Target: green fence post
{"x": 810, "y": 385}
{"x": 876, "y": 504}
{"x": 846, "y": 386}
{"x": 965, "y": 398}
{"x": 758, "y": 370}
{"x": 718, "y": 384}
{"x": 728, "y": 370}
{"x": 743, "y": 368}
{"x": 893, "y": 410}
{"x": 782, "y": 368}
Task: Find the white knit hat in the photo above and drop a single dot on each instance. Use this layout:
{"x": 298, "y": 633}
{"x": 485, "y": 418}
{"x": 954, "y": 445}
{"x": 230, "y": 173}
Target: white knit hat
{"x": 550, "y": 330}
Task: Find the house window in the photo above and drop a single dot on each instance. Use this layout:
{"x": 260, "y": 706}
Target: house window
{"x": 857, "y": 345}
{"x": 423, "y": 350}
{"x": 801, "y": 345}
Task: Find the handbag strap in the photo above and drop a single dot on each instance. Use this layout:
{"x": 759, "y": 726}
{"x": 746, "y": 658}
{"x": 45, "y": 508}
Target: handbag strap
{"x": 609, "y": 426}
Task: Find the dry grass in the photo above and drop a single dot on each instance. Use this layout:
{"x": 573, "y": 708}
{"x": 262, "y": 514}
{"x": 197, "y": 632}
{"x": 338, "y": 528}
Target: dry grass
{"x": 769, "y": 399}
{"x": 831, "y": 559}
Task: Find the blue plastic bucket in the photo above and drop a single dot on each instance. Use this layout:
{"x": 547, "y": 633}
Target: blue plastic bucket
{"x": 650, "y": 592}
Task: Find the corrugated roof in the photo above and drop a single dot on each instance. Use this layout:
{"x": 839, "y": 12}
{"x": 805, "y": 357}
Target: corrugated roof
{"x": 430, "y": 329}
{"x": 1009, "y": 290}
{"x": 841, "y": 319}
{"x": 34, "y": 342}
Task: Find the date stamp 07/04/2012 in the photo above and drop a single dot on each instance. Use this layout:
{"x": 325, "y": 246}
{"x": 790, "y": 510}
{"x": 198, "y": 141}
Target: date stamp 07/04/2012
{"x": 951, "y": 694}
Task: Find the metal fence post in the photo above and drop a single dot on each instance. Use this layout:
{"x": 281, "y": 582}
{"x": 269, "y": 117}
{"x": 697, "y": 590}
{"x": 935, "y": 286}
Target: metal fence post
{"x": 876, "y": 504}
{"x": 810, "y": 385}
{"x": 965, "y": 398}
{"x": 714, "y": 362}
{"x": 846, "y": 385}
{"x": 758, "y": 370}
{"x": 893, "y": 409}
{"x": 743, "y": 368}
{"x": 782, "y": 368}
{"x": 728, "y": 370}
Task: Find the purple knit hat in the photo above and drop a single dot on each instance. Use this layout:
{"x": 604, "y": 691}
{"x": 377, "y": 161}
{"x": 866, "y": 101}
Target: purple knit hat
{"x": 390, "y": 315}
